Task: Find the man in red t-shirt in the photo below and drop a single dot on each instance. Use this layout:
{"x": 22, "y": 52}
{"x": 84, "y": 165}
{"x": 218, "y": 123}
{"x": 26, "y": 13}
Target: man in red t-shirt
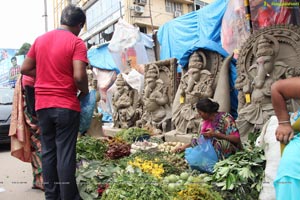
{"x": 58, "y": 60}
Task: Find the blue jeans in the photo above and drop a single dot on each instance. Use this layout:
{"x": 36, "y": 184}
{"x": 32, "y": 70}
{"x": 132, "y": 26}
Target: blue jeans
{"x": 59, "y": 129}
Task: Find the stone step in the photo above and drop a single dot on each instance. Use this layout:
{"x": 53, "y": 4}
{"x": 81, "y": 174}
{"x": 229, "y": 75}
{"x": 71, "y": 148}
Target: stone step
{"x": 173, "y": 136}
{"x": 110, "y": 131}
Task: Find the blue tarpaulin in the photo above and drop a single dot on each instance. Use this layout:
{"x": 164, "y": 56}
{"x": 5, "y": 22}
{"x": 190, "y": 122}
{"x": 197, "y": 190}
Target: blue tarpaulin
{"x": 179, "y": 35}
{"x": 101, "y": 58}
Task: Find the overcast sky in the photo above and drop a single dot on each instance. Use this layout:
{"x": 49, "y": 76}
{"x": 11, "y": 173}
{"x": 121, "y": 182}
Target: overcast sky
{"x": 22, "y": 21}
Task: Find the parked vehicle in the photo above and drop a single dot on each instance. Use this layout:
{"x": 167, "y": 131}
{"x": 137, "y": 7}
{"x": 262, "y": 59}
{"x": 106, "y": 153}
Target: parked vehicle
{"x": 6, "y": 99}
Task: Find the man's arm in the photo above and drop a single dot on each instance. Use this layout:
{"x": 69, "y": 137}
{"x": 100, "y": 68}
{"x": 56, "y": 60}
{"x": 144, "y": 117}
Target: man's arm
{"x": 80, "y": 76}
{"x": 281, "y": 91}
{"x": 28, "y": 67}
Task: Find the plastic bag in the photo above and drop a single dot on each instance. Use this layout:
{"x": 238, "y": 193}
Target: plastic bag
{"x": 203, "y": 156}
{"x": 87, "y": 105}
{"x": 234, "y": 29}
{"x": 125, "y": 36}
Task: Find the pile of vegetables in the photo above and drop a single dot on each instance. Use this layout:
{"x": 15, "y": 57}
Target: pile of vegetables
{"x": 118, "y": 149}
{"x": 134, "y": 184}
{"x": 174, "y": 183}
{"x": 143, "y": 146}
{"x": 148, "y": 166}
{"x": 174, "y": 163}
{"x": 240, "y": 176}
{"x": 189, "y": 186}
{"x": 169, "y": 146}
{"x": 90, "y": 148}
{"x": 198, "y": 192}
{"x": 110, "y": 171}
{"x": 94, "y": 177}
{"x": 133, "y": 134}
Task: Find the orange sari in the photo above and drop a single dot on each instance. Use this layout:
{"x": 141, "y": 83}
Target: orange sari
{"x": 19, "y": 132}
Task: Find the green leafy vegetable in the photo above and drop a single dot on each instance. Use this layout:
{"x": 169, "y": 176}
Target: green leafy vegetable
{"x": 90, "y": 148}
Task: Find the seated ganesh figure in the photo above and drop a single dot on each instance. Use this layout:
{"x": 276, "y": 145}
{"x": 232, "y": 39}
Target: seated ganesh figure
{"x": 156, "y": 99}
{"x": 266, "y": 58}
{"x": 125, "y": 104}
{"x": 199, "y": 80}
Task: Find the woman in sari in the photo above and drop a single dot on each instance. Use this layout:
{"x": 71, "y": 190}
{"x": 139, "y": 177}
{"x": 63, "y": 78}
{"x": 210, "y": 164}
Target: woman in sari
{"x": 220, "y": 127}
{"x": 24, "y": 129}
{"x": 32, "y": 123}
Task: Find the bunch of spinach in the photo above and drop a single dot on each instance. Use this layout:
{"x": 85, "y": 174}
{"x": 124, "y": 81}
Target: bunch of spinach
{"x": 92, "y": 175}
{"x": 132, "y": 134}
{"x": 90, "y": 148}
{"x": 134, "y": 184}
{"x": 240, "y": 176}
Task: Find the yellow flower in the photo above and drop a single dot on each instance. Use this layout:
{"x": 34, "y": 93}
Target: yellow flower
{"x": 148, "y": 166}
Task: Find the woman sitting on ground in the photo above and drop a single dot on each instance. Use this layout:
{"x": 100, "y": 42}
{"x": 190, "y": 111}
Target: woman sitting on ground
{"x": 219, "y": 126}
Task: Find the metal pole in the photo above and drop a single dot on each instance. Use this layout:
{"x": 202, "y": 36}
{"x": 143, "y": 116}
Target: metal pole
{"x": 45, "y": 15}
{"x": 151, "y": 20}
{"x": 120, "y": 9}
{"x": 248, "y": 15}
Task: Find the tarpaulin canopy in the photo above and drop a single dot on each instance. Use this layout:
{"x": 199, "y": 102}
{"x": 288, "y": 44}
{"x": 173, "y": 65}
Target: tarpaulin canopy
{"x": 177, "y": 36}
{"x": 101, "y": 58}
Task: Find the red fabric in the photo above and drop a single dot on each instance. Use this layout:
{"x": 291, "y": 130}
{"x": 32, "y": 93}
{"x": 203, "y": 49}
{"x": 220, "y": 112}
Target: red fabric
{"x": 284, "y": 16}
{"x": 27, "y": 80}
{"x": 54, "y": 53}
{"x": 14, "y": 71}
{"x": 268, "y": 16}
{"x": 206, "y": 125}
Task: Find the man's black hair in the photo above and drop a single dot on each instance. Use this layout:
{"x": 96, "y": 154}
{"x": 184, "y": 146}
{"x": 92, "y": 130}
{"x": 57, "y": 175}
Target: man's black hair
{"x": 13, "y": 58}
{"x": 72, "y": 16}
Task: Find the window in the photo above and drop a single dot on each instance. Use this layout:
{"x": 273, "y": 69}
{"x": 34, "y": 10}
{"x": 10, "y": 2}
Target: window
{"x": 143, "y": 29}
{"x": 172, "y": 6}
{"x": 100, "y": 11}
{"x": 178, "y": 7}
{"x": 199, "y": 4}
{"x": 168, "y": 6}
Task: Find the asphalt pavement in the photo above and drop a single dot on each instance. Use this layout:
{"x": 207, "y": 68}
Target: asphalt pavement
{"x": 16, "y": 178}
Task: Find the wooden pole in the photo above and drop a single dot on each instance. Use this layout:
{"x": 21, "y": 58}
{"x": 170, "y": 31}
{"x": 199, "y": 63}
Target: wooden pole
{"x": 248, "y": 15}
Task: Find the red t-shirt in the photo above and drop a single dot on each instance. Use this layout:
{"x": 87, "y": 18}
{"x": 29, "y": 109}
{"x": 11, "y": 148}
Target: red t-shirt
{"x": 54, "y": 53}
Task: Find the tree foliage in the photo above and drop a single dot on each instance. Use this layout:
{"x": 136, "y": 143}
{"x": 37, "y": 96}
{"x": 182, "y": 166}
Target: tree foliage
{"x": 24, "y": 49}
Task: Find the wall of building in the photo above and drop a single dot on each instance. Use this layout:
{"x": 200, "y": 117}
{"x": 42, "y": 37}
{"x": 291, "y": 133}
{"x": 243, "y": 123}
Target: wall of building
{"x": 155, "y": 13}
{"x": 102, "y": 15}
{"x": 58, "y": 6}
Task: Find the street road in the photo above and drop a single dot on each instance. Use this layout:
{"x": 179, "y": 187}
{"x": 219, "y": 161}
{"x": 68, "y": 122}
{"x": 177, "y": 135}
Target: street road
{"x": 16, "y": 178}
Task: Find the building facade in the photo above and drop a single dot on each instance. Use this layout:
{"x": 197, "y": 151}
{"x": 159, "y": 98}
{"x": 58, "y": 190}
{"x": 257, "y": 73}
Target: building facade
{"x": 148, "y": 15}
